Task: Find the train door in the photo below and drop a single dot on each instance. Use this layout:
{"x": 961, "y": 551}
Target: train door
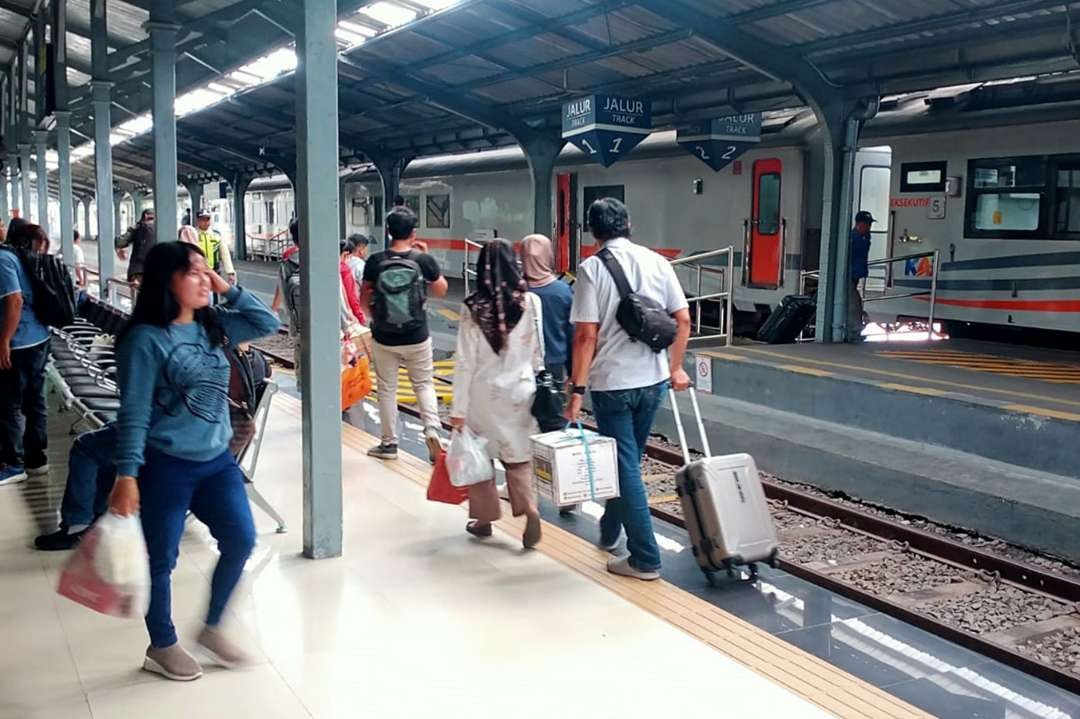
{"x": 873, "y": 173}
{"x": 567, "y": 240}
{"x": 766, "y": 246}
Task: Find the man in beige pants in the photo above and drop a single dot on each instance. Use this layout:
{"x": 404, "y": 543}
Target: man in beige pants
{"x": 394, "y": 295}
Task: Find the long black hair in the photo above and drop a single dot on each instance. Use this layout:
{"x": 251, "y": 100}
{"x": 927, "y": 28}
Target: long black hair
{"x": 156, "y": 305}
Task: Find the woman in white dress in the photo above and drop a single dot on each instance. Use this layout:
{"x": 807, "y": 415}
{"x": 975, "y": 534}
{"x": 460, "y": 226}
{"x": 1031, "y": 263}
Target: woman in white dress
{"x": 498, "y": 356}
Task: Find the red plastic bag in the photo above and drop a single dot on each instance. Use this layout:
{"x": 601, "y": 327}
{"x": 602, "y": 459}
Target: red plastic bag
{"x": 109, "y": 571}
{"x": 439, "y": 488}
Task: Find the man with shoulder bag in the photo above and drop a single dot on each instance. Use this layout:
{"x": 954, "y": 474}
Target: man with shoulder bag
{"x": 632, "y": 325}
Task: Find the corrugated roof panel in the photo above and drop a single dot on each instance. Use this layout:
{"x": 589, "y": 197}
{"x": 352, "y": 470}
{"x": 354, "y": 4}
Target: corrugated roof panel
{"x": 537, "y": 50}
{"x": 402, "y": 48}
{"x": 461, "y": 71}
{"x": 518, "y": 90}
{"x": 623, "y": 26}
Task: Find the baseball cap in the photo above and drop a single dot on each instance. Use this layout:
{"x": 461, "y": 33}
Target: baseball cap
{"x": 864, "y": 216}
{"x": 203, "y": 213}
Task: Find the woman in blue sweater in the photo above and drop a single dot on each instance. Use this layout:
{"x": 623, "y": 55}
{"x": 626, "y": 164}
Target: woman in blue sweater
{"x": 173, "y": 434}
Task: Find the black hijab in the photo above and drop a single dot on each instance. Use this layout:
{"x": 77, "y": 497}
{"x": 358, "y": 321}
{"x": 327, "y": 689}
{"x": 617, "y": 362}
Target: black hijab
{"x": 499, "y": 300}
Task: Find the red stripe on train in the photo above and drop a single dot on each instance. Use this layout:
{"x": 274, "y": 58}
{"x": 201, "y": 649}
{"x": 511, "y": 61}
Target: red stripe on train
{"x": 668, "y": 252}
{"x": 1017, "y": 305}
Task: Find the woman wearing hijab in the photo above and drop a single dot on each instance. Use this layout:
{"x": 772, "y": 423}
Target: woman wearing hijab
{"x": 498, "y": 356}
{"x": 556, "y": 296}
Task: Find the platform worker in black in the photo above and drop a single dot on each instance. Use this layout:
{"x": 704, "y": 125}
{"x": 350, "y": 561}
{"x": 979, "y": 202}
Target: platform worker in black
{"x": 173, "y": 433}
{"x": 860, "y": 269}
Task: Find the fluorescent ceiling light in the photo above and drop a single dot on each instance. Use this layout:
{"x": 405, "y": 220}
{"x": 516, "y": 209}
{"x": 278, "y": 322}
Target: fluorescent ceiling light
{"x": 389, "y": 13}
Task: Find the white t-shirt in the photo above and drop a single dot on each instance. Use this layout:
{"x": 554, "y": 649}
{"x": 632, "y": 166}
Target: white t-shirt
{"x": 620, "y": 362}
{"x": 80, "y": 256}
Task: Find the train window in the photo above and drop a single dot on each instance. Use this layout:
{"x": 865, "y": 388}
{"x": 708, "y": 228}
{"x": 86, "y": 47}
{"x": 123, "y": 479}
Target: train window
{"x": 923, "y": 176}
{"x": 438, "y": 211}
{"x": 1007, "y": 198}
{"x": 1067, "y": 201}
{"x": 769, "y": 204}
{"x": 596, "y": 192}
{"x": 413, "y": 203}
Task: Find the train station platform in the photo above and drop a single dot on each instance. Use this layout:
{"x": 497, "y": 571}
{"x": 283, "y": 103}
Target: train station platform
{"x": 416, "y": 618}
{"x": 976, "y": 434}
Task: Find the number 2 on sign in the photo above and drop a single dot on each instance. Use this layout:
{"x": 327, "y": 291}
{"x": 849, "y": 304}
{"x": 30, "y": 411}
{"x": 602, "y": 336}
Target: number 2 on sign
{"x": 730, "y": 151}
{"x": 701, "y": 151}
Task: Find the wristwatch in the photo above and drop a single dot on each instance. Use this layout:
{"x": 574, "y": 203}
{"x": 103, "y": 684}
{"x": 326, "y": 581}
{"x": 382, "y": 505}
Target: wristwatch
{"x": 578, "y": 389}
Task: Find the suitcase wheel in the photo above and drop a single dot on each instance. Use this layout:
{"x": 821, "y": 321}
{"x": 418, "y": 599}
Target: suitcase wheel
{"x": 753, "y": 570}
{"x": 710, "y": 578}
{"x": 773, "y": 558}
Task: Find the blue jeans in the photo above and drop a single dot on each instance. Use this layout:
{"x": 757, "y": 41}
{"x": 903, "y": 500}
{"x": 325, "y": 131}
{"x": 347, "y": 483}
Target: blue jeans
{"x": 90, "y": 477}
{"x": 214, "y": 492}
{"x": 627, "y": 416}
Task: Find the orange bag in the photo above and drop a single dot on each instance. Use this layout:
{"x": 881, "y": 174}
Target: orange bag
{"x": 355, "y": 382}
{"x": 439, "y": 488}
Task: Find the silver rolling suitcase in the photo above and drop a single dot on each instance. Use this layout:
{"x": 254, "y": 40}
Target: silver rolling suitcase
{"x": 723, "y": 505}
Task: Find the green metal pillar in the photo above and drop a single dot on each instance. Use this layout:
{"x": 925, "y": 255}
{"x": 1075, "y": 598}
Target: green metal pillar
{"x": 101, "y": 96}
{"x": 67, "y": 199}
{"x": 240, "y": 184}
{"x": 317, "y": 194}
{"x": 24, "y": 171}
{"x": 41, "y": 144}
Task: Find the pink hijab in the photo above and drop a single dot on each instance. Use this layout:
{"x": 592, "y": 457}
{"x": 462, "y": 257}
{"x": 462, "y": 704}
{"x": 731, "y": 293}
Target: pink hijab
{"x": 538, "y": 260}
{"x": 189, "y": 235}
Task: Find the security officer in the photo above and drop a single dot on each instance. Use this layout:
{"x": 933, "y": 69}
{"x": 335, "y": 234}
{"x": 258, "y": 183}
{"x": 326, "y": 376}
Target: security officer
{"x": 217, "y": 252}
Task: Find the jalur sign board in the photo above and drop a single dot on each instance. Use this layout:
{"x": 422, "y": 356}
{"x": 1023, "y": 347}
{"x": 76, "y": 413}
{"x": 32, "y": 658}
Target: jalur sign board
{"x": 719, "y": 141}
{"x": 607, "y": 127}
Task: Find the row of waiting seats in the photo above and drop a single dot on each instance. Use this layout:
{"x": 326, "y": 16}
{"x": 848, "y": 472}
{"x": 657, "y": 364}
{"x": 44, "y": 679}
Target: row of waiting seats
{"x": 82, "y": 370}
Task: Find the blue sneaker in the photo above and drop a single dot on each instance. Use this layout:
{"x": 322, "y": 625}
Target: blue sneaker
{"x": 12, "y": 474}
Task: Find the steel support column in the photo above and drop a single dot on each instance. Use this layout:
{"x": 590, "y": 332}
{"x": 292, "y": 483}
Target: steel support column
{"x": 4, "y": 187}
{"x": 41, "y": 144}
{"x": 195, "y": 194}
{"x": 240, "y": 185}
{"x": 163, "y": 48}
{"x": 16, "y": 183}
{"x": 542, "y": 153}
{"x": 343, "y": 208}
{"x": 67, "y": 200}
{"x": 138, "y": 204}
{"x": 317, "y": 163}
{"x": 108, "y": 210}
{"x": 24, "y": 171}
{"x": 88, "y": 230}
{"x": 840, "y": 133}
{"x": 390, "y": 169}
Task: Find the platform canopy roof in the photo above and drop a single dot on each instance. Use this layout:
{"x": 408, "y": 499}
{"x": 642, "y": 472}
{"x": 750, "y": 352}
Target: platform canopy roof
{"x": 426, "y": 77}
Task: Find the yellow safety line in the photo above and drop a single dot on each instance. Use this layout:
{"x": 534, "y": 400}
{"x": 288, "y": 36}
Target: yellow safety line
{"x": 1056, "y": 414}
{"x": 904, "y": 375}
{"x": 449, "y": 314}
{"x": 928, "y": 391}
{"x": 805, "y": 370}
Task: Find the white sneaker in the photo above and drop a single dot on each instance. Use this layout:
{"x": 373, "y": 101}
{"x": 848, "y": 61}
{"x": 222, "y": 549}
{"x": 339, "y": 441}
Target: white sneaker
{"x": 37, "y": 471}
{"x": 622, "y": 567}
{"x": 12, "y": 475}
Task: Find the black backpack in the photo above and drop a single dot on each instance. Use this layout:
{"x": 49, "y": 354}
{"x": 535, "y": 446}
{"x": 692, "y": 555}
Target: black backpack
{"x": 51, "y": 286}
{"x": 400, "y": 295}
{"x": 643, "y": 318}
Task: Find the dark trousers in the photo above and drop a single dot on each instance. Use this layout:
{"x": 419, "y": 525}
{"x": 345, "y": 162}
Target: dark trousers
{"x": 23, "y": 413}
{"x": 91, "y": 474}
{"x": 214, "y": 492}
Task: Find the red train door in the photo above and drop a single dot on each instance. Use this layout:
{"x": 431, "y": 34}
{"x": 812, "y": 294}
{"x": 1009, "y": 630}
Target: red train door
{"x": 564, "y": 220}
{"x": 766, "y": 260}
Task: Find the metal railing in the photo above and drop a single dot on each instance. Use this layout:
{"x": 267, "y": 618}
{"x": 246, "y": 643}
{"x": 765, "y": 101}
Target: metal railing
{"x": 267, "y": 248}
{"x": 887, "y": 262}
{"x": 725, "y": 296}
{"x": 466, "y": 267}
{"x": 119, "y": 290}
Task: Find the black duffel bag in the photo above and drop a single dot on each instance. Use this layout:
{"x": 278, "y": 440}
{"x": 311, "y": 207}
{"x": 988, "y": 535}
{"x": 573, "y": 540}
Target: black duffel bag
{"x": 643, "y": 318}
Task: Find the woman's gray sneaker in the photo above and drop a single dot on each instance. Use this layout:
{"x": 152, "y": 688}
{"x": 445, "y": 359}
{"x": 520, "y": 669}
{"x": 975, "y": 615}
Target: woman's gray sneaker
{"x": 172, "y": 663}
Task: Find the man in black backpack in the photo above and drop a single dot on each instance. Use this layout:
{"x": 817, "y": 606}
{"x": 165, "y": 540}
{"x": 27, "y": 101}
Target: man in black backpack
{"x": 394, "y": 296}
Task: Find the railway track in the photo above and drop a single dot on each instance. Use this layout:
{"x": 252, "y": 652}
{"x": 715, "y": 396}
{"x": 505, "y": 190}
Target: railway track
{"x": 1021, "y": 614}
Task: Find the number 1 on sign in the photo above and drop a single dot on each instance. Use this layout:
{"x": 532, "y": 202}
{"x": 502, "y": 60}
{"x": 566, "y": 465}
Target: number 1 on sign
{"x": 616, "y": 144}
{"x": 590, "y": 148}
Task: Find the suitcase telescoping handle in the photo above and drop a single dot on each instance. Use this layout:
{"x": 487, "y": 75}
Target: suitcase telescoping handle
{"x": 679, "y": 425}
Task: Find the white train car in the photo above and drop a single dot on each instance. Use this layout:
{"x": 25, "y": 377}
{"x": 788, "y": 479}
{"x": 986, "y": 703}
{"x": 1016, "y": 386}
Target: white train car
{"x": 1002, "y": 206}
{"x": 678, "y": 206}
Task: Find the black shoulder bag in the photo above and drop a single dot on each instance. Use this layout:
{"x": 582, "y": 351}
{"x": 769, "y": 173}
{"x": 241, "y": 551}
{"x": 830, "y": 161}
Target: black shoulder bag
{"x": 548, "y": 403}
{"x": 643, "y": 318}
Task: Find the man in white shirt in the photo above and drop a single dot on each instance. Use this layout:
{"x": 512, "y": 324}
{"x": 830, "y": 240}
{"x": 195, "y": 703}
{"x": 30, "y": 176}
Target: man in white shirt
{"x": 79, "y": 256}
{"x": 626, "y": 379}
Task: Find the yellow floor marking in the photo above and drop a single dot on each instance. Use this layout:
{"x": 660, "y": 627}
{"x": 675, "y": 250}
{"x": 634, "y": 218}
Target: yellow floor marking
{"x": 1042, "y": 411}
{"x": 916, "y": 377}
{"x": 805, "y": 370}
{"x": 1052, "y": 372}
{"x": 449, "y": 314}
{"x": 928, "y": 391}
{"x": 787, "y": 666}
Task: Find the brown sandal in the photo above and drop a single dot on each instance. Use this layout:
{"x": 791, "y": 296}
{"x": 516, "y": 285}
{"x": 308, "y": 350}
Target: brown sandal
{"x": 532, "y": 532}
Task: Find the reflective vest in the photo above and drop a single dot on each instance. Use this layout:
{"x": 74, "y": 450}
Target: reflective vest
{"x": 210, "y": 244}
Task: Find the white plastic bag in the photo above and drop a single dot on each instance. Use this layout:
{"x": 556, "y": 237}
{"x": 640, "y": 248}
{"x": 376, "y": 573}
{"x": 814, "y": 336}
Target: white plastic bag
{"x": 467, "y": 459}
{"x": 110, "y": 570}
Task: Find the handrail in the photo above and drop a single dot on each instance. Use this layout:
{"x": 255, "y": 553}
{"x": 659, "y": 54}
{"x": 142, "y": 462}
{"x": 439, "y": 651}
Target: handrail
{"x": 114, "y": 294}
{"x": 466, "y": 272}
{"x": 886, "y": 261}
{"x": 726, "y": 295}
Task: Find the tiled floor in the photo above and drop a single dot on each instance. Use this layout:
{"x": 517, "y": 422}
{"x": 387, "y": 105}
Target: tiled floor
{"x": 415, "y": 620}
